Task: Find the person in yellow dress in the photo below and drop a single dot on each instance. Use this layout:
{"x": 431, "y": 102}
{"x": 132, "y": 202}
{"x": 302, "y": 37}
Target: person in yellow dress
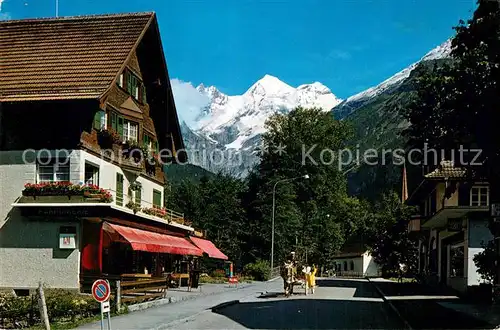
{"x": 311, "y": 278}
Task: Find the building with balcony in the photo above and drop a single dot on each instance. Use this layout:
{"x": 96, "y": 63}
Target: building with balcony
{"x": 453, "y": 226}
{"x": 87, "y": 117}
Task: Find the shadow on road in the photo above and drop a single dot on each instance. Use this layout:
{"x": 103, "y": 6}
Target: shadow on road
{"x": 311, "y": 314}
{"x": 363, "y": 288}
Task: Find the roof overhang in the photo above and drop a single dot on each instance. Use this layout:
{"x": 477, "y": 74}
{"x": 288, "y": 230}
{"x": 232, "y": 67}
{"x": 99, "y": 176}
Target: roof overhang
{"x": 440, "y": 219}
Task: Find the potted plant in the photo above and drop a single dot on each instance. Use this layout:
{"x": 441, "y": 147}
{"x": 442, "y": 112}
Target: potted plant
{"x": 107, "y": 137}
{"x": 136, "y": 207}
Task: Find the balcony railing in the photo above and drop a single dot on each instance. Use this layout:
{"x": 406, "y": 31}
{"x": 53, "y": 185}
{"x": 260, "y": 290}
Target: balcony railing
{"x": 68, "y": 193}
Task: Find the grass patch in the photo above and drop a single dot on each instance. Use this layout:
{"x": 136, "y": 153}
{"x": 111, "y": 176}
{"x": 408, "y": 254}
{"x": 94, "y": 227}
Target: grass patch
{"x": 404, "y": 279}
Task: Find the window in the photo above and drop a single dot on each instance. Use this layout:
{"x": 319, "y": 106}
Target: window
{"x": 56, "y": 170}
{"x": 345, "y": 265}
{"x": 157, "y": 198}
{"x": 479, "y": 196}
{"x": 133, "y": 85}
{"x": 352, "y": 265}
{"x": 91, "y": 174}
{"x": 130, "y": 130}
{"x": 119, "y": 189}
{"x": 457, "y": 261}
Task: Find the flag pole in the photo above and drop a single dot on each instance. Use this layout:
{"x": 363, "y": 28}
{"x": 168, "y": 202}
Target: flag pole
{"x": 57, "y": 8}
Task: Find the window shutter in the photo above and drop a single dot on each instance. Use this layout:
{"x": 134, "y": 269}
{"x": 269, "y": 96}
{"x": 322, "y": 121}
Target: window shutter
{"x": 97, "y": 120}
{"x": 143, "y": 92}
{"x": 138, "y": 196}
{"x": 119, "y": 129}
{"x": 119, "y": 189}
{"x": 156, "y": 198}
{"x": 145, "y": 140}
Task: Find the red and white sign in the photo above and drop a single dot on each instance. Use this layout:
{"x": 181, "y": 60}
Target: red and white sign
{"x": 101, "y": 290}
{"x": 233, "y": 280}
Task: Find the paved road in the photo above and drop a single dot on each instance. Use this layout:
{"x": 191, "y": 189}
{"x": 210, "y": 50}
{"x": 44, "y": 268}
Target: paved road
{"x": 336, "y": 304}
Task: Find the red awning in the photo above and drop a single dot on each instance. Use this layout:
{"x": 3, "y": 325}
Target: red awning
{"x": 209, "y": 248}
{"x": 142, "y": 240}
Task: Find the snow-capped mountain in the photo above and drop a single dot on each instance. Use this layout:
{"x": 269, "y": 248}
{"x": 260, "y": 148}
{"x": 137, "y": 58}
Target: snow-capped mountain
{"x": 233, "y": 124}
{"x": 227, "y": 130}
{"x": 358, "y": 100}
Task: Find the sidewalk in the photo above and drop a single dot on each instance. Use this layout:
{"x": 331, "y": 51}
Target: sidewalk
{"x": 423, "y": 307}
{"x": 189, "y": 305}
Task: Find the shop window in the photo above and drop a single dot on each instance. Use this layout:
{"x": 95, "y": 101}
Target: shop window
{"x": 91, "y": 174}
{"x": 457, "y": 261}
{"x": 479, "y": 196}
{"x": 54, "y": 170}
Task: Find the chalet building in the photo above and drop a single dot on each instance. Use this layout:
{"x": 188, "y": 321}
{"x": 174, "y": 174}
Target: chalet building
{"x": 453, "y": 226}
{"x": 86, "y": 116}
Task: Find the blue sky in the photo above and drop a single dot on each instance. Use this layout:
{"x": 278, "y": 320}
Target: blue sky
{"x": 348, "y": 45}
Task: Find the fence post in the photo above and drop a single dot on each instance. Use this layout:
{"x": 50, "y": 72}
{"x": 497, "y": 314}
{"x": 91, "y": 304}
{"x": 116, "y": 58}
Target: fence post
{"x": 118, "y": 296}
{"x": 43, "y": 307}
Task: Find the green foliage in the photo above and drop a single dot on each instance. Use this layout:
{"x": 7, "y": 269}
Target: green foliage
{"x": 485, "y": 262}
{"x": 390, "y": 243}
{"x": 457, "y": 105}
{"x": 258, "y": 270}
{"x": 62, "y": 305}
{"x": 214, "y": 205}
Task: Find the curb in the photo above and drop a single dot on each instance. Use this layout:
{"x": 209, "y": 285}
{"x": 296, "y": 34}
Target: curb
{"x": 406, "y": 324}
{"x": 273, "y": 279}
{"x": 224, "y": 304}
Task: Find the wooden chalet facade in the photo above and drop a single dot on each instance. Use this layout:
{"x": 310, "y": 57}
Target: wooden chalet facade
{"x": 87, "y": 116}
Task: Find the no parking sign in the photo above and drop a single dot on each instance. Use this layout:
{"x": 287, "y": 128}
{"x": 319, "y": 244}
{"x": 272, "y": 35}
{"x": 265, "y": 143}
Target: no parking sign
{"x": 101, "y": 292}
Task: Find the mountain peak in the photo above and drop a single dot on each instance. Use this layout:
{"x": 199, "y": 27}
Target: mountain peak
{"x": 270, "y": 85}
{"x": 315, "y": 86}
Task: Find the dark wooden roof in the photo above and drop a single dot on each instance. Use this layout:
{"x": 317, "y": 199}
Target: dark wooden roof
{"x": 66, "y": 58}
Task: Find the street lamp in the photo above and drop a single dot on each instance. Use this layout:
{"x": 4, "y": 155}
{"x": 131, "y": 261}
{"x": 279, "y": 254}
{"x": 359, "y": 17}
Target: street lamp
{"x": 274, "y": 207}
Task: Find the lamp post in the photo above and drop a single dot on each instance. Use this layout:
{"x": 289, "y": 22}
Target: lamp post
{"x": 274, "y": 207}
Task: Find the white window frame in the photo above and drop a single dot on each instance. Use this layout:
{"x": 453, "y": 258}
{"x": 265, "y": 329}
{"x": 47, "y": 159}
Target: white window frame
{"x": 55, "y": 169}
{"x": 95, "y": 174}
{"x": 479, "y": 200}
{"x": 120, "y": 80}
{"x": 127, "y": 125}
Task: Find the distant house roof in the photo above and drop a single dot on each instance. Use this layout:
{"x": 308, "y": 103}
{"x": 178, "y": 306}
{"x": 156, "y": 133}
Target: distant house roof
{"x": 66, "y": 58}
{"x": 351, "y": 249}
{"x": 446, "y": 169}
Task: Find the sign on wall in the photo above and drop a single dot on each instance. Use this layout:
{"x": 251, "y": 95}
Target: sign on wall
{"x": 455, "y": 224}
{"x": 67, "y": 237}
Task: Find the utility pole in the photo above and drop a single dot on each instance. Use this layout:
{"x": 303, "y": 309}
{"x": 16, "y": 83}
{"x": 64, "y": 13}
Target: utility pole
{"x": 57, "y": 8}
{"x": 274, "y": 208}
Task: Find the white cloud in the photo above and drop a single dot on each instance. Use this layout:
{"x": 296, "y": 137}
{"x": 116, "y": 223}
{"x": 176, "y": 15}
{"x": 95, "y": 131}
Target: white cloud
{"x": 188, "y": 101}
{"x": 1, "y": 5}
